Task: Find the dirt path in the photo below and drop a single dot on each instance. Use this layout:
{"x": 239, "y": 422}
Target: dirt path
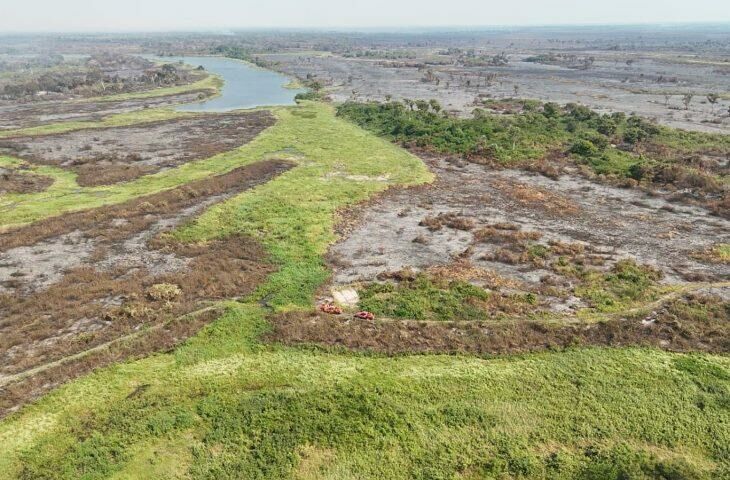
{"x": 17, "y": 377}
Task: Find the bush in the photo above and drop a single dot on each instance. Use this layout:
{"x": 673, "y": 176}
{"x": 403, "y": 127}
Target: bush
{"x": 682, "y": 177}
{"x": 584, "y": 148}
{"x": 580, "y": 112}
{"x": 600, "y": 141}
{"x": 311, "y": 95}
{"x": 638, "y": 129}
{"x": 551, "y": 110}
{"x": 640, "y": 171}
{"x": 163, "y": 291}
{"x": 606, "y": 125}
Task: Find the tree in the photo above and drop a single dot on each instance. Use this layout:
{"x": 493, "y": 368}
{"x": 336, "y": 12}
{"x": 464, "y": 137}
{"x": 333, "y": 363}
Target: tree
{"x": 429, "y": 77}
{"x": 713, "y": 98}
{"x": 687, "y": 99}
{"x": 499, "y": 60}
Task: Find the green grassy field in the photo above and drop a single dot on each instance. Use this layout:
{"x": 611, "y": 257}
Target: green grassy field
{"x": 228, "y": 405}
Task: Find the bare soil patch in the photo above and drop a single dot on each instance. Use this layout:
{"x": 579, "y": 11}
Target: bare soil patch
{"x": 77, "y": 281}
{"x": 12, "y": 181}
{"x": 110, "y": 155}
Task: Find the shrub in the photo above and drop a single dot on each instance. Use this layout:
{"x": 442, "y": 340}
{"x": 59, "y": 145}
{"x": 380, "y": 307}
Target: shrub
{"x": 606, "y": 125}
{"x": 638, "y": 129}
{"x": 311, "y": 95}
{"x": 580, "y": 112}
{"x": 164, "y": 291}
{"x": 584, "y": 148}
{"x": 640, "y": 171}
{"x": 551, "y": 110}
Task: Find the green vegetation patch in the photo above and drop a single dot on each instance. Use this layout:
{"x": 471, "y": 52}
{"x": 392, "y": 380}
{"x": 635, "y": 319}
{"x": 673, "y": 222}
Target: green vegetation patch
{"x": 623, "y": 286}
{"x": 722, "y": 252}
{"x": 424, "y": 124}
{"x": 425, "y": 298}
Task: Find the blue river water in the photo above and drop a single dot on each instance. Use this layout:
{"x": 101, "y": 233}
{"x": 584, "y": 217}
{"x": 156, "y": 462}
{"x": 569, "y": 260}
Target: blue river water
{"x": 246, "y": 86}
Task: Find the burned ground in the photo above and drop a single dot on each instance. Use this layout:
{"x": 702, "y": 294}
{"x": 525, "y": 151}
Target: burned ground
{"x": 110, "y": 155}
{"x": 543, "y": 249}
{"x": 32, "y": 79}
{"x": 473, "y": 209}
{"x": 649, "y": 81}
{"x": 74, "y": 282}
{"x": 34, "y": 114}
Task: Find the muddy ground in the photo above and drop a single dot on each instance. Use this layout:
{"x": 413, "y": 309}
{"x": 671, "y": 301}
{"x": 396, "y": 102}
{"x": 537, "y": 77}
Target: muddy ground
{"x": 610, "y": 84}
{"x": 110, "y": 155}
{"x": 72, "y": 283}
{"x": 14, "y": 116}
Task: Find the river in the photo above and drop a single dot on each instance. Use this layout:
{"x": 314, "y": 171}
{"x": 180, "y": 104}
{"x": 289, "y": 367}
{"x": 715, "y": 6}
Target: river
{"x": 246, "y": 86}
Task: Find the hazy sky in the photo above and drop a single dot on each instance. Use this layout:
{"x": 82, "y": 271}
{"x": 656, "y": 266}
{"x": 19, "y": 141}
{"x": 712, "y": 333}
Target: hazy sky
{"x": 100, "y": 15}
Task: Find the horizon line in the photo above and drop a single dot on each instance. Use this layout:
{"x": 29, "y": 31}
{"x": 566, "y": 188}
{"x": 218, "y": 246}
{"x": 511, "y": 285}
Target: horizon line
{"x": 352, "y": 28}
